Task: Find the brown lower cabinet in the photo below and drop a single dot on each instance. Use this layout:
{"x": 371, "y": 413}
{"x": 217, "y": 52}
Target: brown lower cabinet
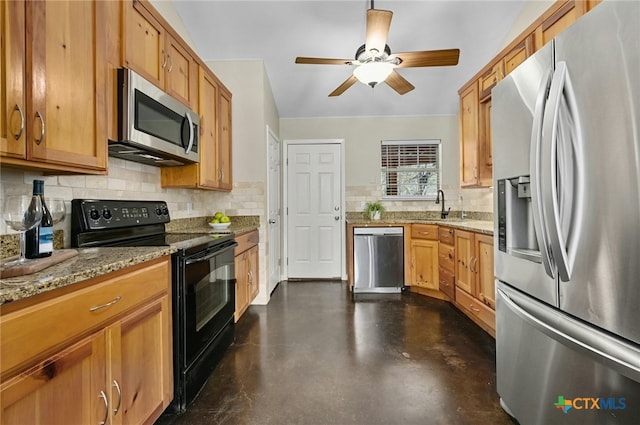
{"x": 246, "y": 265}
{"x": 101, "y": 353}
{"x": 475, "y": 283}
{"x": 446, "y": 263}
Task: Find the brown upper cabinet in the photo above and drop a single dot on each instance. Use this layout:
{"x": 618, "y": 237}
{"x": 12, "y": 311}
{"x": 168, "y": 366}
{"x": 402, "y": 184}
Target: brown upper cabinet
{"x": 54, "y": 86}
{"x": 214, "y": 169}
{"x": 154, "y": 52}
{"x": 557, "y": 19}
{"x": 475, "y": 96}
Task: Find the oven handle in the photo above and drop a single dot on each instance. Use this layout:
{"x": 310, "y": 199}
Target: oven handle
{"x": 211, "y": 255}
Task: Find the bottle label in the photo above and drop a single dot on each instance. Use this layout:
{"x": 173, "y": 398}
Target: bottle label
{"x": 45, "y": 240}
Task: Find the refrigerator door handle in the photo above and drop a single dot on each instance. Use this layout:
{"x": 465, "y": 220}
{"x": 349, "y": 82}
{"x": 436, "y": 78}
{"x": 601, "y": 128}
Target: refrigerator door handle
{"x": 535, "y": 170}
{"x": 559, "y": 179}
{"x": 617, "y": 354}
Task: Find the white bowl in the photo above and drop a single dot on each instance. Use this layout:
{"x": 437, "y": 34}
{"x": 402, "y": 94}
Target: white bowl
{"x": 220, "y": 226}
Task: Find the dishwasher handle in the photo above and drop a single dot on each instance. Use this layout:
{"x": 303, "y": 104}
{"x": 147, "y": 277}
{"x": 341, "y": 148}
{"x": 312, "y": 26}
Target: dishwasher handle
{"x": 378, "y": 231}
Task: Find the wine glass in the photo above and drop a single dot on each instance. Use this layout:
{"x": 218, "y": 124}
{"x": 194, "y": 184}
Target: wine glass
{"x": 21, "y": 213}
{"x": 57, "y": 209}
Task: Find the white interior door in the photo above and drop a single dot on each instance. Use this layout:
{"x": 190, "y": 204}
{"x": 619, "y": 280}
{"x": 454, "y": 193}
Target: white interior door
{"x": 273, "y": 207}
{"x": 315, "y": 224}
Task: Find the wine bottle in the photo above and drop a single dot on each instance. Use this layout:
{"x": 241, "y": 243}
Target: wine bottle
{"x": 39, "y": 240}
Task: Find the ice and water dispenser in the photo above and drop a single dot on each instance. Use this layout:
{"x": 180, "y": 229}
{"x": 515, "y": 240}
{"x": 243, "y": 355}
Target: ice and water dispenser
{"x": 516, "y": 230}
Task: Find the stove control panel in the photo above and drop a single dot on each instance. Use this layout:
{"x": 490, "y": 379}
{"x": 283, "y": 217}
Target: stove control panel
{"x": 93, "y": 214}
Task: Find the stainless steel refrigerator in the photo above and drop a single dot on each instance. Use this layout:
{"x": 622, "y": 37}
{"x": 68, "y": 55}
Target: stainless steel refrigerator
{"x": 566, "y": 155}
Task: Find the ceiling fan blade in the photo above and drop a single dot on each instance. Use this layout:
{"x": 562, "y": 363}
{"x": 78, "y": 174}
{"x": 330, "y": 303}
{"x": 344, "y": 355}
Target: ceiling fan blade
{"x": 378, "y": 23}
{"x": 323, "y": 61}
{"x": 428, "y": 58}
{"x": 344, "y": 86}
{"x": 399, "y": 83}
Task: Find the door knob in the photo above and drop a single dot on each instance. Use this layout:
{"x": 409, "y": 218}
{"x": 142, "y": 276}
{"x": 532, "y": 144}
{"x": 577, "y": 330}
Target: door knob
{"x": 272, "y": 221}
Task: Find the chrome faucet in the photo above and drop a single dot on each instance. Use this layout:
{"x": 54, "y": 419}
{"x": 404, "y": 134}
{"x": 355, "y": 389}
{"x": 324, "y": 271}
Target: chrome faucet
{"x": 443, "y": 213}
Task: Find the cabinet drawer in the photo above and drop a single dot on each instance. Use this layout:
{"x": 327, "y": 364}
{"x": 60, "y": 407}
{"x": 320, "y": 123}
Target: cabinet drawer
{"x": 476, "y": 308}
{"x": 34, "y": 331}
{"x": 246, "y": 241}
{"x": 424, "y": 231}
{"x": 445, "y": 234}
{"x": 447, "y": 282}
{"x": 446, "y": 257}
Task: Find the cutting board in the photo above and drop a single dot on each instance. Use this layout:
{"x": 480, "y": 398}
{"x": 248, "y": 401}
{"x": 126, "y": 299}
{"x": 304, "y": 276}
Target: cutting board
{"x": 37, "y": 264}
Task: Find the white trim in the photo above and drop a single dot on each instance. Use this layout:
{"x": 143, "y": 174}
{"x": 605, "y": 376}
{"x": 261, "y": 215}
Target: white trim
{"x": 285, "y": 199}
{"x": 271, "y": 133}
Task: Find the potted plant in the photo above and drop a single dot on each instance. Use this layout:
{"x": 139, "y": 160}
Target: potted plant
{"x": 372, "y": 210}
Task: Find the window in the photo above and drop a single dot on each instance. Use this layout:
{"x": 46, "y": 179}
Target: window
{"x": 410, "y": 169}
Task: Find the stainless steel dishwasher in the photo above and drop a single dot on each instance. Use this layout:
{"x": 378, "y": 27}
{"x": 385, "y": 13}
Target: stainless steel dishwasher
{"x": 378, "y": 259}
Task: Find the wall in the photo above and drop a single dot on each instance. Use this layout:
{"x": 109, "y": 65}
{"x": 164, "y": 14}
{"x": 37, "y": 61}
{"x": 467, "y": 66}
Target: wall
{"x": 253, "y": 110}
{"x": 531, "y": 10}
{"x": 362, "y": 156}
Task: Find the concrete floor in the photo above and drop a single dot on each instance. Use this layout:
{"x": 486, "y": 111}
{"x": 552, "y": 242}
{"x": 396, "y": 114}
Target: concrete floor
{"x": 315, "y": 356}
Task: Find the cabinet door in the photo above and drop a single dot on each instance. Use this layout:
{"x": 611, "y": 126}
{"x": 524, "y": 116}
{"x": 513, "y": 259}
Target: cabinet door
{"x": 463, "y": 256}
{"x": 483, "y": 268}
{"x": 141, "y": 364}
{"x": 68, "y": 113}
{"x": 181, "y": 74}
{"x": 518, "y": 54}
{"x": 485, "y": 157}
{"x": 558, "y": 20}
{"x": 242, "y": 293}
{"x": 209, "y": 92}
{"x": 489, "y": 80}
{"x": 144, "y": 43}
{"x": 224, "y": 141}
{"x": 12, "y": 80}
{"x": 252, "y": 273}
{"x": 469, "y": 136}
{"x": 424, "y": 263}
{"x": 67, "y": 388}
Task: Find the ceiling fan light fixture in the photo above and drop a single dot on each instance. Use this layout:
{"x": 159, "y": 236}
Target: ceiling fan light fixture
{"x": 373, "y": 73}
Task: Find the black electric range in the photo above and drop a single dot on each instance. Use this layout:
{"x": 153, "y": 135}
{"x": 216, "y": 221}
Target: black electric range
{"x": 203, "y": 281}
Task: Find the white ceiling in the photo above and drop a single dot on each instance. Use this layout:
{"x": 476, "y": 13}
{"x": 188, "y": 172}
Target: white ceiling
{"x": 279, "y": 31}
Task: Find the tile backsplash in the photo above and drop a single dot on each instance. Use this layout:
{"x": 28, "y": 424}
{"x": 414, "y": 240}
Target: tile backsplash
{"x": 132, "y": 181}
{"x": 468, "y": 200}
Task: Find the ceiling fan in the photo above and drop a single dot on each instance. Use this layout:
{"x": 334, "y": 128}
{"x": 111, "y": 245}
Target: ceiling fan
{"x": 374, "y": 61}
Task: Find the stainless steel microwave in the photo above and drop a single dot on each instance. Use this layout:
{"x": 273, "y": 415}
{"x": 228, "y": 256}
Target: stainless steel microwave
{"x": 153, "y": 127}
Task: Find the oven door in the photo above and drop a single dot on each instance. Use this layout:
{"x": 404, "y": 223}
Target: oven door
{"x": 209, "y": 298}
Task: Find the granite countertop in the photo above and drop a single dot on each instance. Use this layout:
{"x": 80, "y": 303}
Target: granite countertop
{"x": 94, "y": 262}
{"x": 89, "y": 263}
{"x": 239, "y": 225}
{"x": 478, "y": 226}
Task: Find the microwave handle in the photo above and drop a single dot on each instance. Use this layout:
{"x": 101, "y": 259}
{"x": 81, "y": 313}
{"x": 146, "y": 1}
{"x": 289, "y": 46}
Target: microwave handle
{"x": 190, "y": 145}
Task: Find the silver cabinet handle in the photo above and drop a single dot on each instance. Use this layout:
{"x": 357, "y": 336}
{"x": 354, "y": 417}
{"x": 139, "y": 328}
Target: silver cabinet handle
{"x": 250, "y": 274}
{"x": 163, "y": 65}
{"x": 18, "y": 109}
{"x": 117, "y": 387}
{"x": 39, "y": 140}
{"x": 474, "y": 309}
{"x": 220, "y": 175}
{"x": 103, "y": 396}
{"x": 110, "y": 303}
{"x": 170, "y": 62}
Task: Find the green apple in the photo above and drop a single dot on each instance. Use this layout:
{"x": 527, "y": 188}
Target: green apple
{"x": 218, "y": 215}
{"x": 215, "y": 221}
{"x": 224, "y": 219}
